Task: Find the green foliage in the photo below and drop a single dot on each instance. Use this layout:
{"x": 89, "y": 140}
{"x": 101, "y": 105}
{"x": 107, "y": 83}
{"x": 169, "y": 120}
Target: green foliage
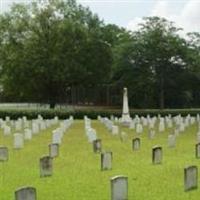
{"x": 49, "y": 50}
{"x": 152, "y": 64}
{"x": 49, "y": 47}
{"x": 91, "y": 113}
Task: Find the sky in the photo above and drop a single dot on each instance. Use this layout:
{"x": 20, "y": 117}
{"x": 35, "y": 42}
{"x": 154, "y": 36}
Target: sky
{"x": 128, "y": 13}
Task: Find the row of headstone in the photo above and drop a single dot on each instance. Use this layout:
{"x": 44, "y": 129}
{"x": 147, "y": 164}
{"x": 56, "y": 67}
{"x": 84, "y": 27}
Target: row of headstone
{"x": 119, "y": 184}
{"x": 57, "y": 134}
{"x": 46, "y": 162}
{"x": 109, "y": 124}
{"x": 37, "y": 126}
{"x": 119, "y": 190}
{"x": 89, "y": 131}
{"x": 178, "y": 122}
{"x": 22, "y": 123}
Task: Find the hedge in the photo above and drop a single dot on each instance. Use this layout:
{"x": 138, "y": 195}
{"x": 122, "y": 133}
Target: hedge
{"x": 91, "y": 113}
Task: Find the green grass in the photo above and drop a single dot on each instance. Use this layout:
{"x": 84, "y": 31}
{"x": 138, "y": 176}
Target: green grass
{"x": 77, "y": 174}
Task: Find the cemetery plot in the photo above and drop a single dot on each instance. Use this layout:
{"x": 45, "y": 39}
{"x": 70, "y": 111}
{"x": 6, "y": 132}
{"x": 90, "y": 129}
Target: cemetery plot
{"x": 79, "y": 173}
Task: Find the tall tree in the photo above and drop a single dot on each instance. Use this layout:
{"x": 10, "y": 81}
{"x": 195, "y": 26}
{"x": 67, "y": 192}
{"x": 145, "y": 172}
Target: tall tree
{"x": 151, "y": 60}
{"x": 50, "y": 46}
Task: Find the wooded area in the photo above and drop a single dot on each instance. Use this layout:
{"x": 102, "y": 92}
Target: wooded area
{"x": 60, "y": 52}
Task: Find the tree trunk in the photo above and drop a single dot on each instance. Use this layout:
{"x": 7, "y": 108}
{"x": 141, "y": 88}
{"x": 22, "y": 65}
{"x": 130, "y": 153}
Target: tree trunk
{"x": 162, "y": 93}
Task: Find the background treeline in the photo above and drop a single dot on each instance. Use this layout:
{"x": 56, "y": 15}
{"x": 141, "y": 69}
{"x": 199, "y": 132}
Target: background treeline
{"x": 60, "y": 52}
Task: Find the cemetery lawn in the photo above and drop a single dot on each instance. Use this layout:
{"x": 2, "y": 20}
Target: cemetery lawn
{"x": 77, "y": 174}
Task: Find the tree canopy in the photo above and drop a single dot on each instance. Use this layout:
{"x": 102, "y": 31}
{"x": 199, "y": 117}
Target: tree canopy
{"x": 50, "y": 49}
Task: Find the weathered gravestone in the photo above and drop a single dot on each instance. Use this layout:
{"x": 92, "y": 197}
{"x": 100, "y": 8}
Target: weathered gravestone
{"x": 157, "y": 155}
{"x": 171, "y": 141}
{"x": 57, "y": 137}
{"x": 46, "y": 166}
{"x": 139, "y": 128}
{"x": 18, "y": 125}
{"x": 27, "y": 134}
{"x": 18, "y": 141}
{"x": 6, "y": 130}
{"x": 3, "y": 154}
{"x": 53, "y": 150}
{"x": 123, "y": 137}
{"x": 115, "y": 130}
{"x": 26, "y": 193}
{"x": 197, "y": 150}
{"x": 190, "y": 177}
{"x": 119, "y": 188}
{"x": 106, "y": 161}
{"x": 35, "y": 128}
{"x": 7, "y": 119}
{"x": 161, "y": 126}
{"x": 151, "y": 134}
{"x": 136, "y": 144}
{"x": 97, "y": 146}
{"x": 91, "y": 134}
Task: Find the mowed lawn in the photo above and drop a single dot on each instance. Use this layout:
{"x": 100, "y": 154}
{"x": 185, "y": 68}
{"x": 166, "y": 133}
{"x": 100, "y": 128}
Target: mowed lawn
{"x": 77, "y": 174}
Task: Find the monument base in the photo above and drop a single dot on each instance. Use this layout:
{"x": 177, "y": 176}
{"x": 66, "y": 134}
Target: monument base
{"x": 126, "y": 124}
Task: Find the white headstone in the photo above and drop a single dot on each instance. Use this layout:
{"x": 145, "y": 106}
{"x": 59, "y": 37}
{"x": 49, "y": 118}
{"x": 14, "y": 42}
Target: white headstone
{"x": 27, "y": 134}
{"x": 18, "y": 141}
{"x": 136, "y": 144}
{"x": 6, "y": 130}
{"x": 53, "y": 150}
{"x": 190, "y": 177}
{"x": 119, "y": 188}
{"x": 3, "y": 154}
{"x": 46, "y": 166}
{"x": 106, "y": 161}
{"x": 157, "y": 155}
{"x": 26, "y": 193}
{"x": 171, "y": 141}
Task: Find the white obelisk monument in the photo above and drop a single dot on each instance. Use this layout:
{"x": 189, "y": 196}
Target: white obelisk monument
{"x": 126, "y": 119}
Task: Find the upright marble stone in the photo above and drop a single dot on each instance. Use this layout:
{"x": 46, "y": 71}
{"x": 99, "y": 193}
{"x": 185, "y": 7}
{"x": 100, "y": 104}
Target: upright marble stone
{"x": 7, "y": 119}
{"x": 161, "y": 126}
{"x": 106, "y": 161}
{"x": 115, "y": 130}
{"x": 27, "y": 134}
{"x": 171, "y": 141}
{"x": 136, "y": 144}
{"x": 26, "y": 193}
{"x": 35, "y": 128}
{"x": 190, "y": 177}
{"x": 157, "y": 155}
{"x": 3, "y": 154}
{"x": 151, "y": 134}
{"x": 46, "y": 166}
{"x": 197, "y": 150}
{"x": 97, "y": 146}
{"x": 124, "y": 137}
{"x": 18, "y": 125}
{"x": 56, "y": 137}
{"x": 126, "y": 119}
{"x": 18, "y": 141}
{"x": 6, "y": 130}
{"x": 132, "y": 125}
{"x": 119, "y": 188}
{"x": 139, "y": 128}
{"x": 53, "y": 150}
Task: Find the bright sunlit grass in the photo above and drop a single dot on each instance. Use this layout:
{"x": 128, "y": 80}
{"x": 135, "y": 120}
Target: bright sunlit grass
{"x": 77, "y": 174}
